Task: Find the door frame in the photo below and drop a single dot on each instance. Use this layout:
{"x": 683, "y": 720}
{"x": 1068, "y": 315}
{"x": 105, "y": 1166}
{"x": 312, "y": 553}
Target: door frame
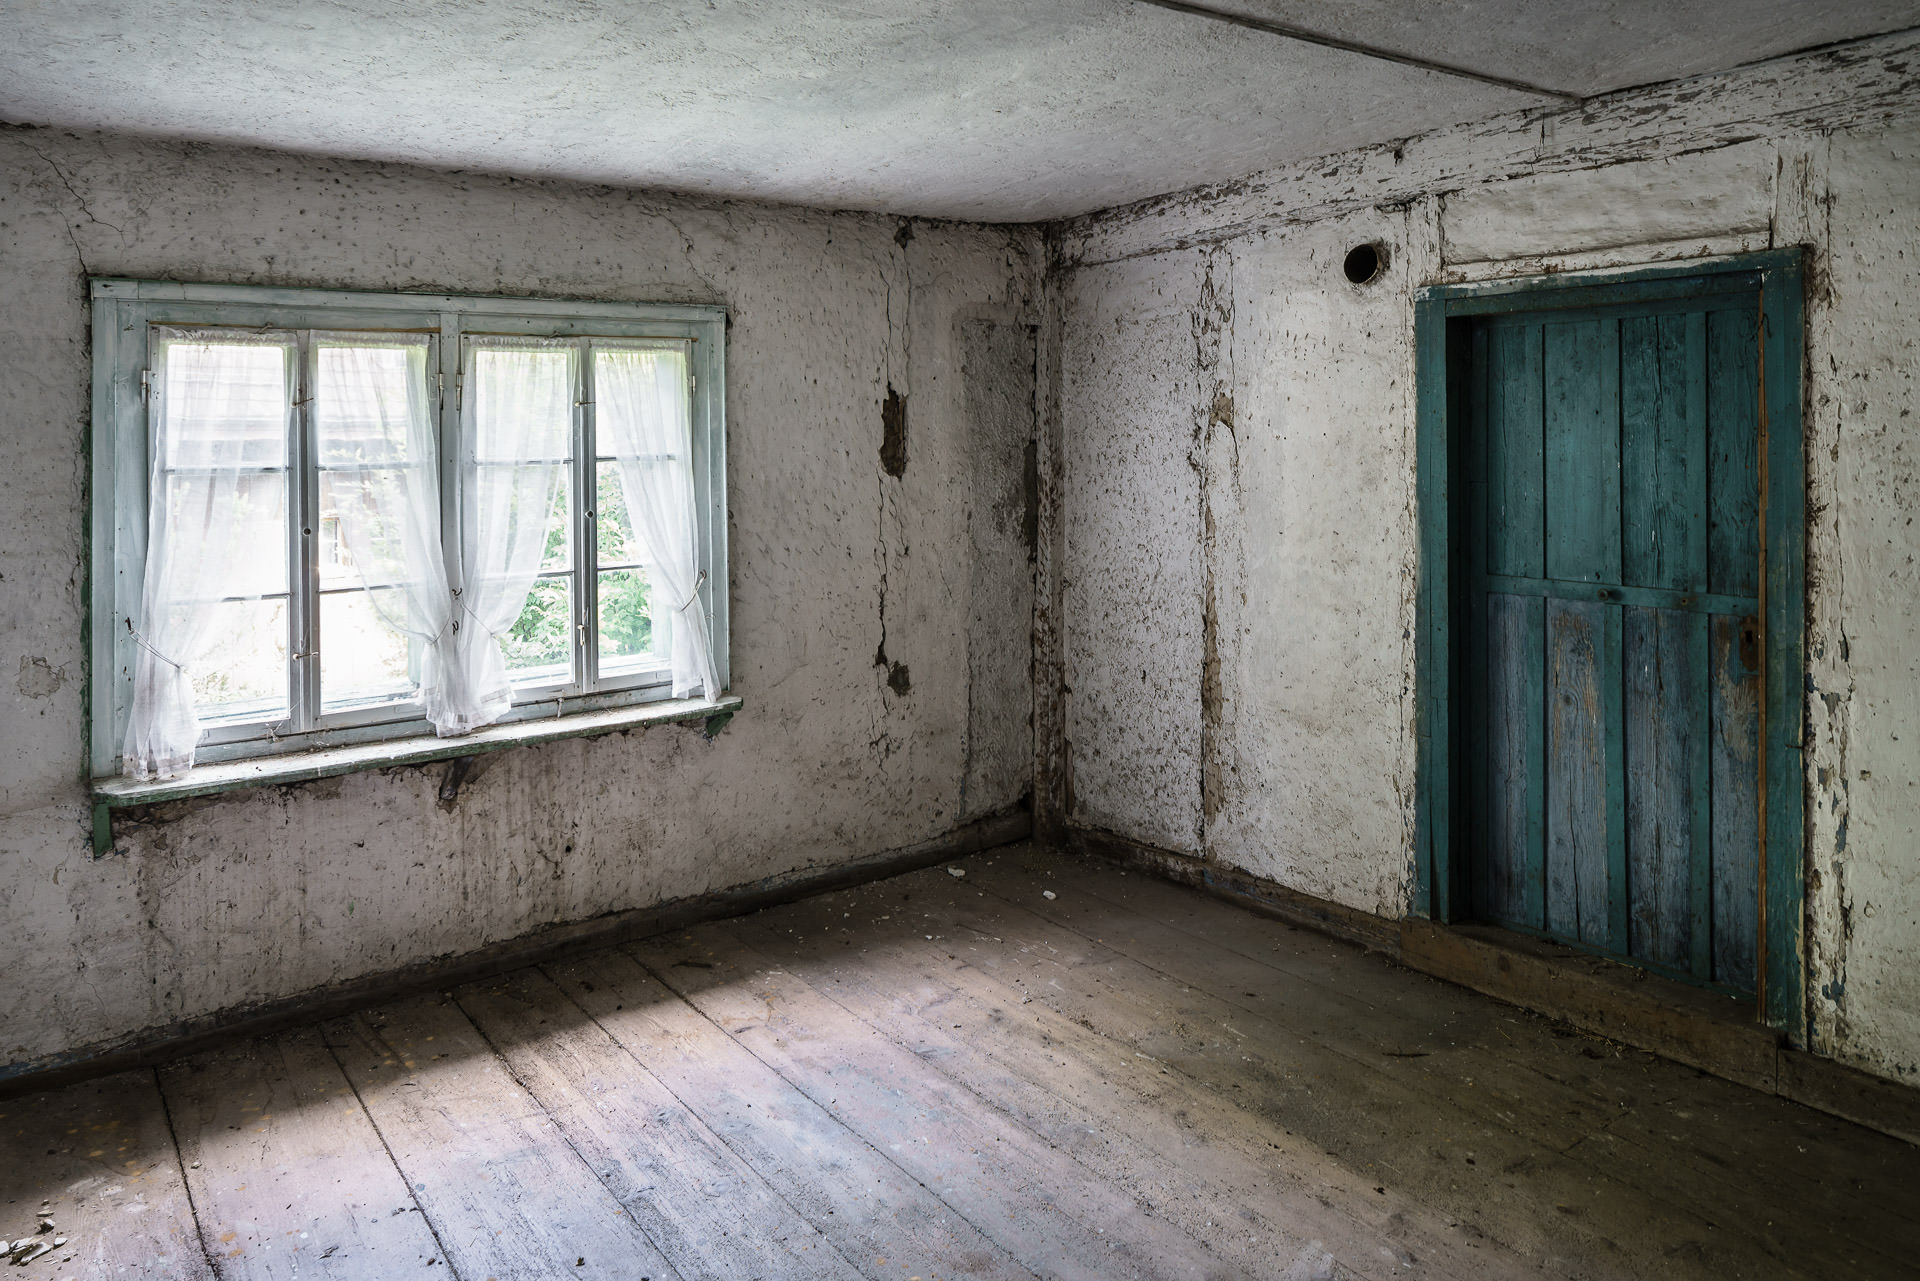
{"x": 1441, "y": 316}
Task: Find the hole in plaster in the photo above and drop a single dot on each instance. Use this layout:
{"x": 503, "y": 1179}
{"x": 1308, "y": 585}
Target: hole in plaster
{"x": 1365, "y": 263}
{"x": 893, "y": 433}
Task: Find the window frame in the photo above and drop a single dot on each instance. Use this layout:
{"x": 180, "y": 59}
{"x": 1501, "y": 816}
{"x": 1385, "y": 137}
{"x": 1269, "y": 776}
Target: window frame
{"x": 126, "y": 316}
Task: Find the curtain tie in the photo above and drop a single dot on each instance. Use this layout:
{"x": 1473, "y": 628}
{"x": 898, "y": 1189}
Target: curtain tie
{"x": 694, "y": 599}
{"x": 147, "y": 645}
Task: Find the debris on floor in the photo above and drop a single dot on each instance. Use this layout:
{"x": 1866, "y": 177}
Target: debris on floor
{"x": 24, "y": 1250}
{"x": 1048, "y": 894}
{"x": 956, "y": 871}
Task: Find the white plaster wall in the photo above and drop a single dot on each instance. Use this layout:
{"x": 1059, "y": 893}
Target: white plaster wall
{"x": 1314, "y": 600}
{"x": 998, "y": 368}
{"x": 1131, "y": 362}
{"x": 1864, "y": 564}
{"x": 1275, "y": 733}
{"x": 269, "y": 893}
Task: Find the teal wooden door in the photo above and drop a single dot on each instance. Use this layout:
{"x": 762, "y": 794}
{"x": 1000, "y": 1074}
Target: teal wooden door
{"x": 1611, "y": 578}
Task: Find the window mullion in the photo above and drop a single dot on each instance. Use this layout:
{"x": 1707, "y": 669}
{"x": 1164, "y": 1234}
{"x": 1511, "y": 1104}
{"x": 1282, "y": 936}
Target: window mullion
{"x": 453, "y": 498}
{"x": 303, "y": 575}
{"x": 586, "y": 544}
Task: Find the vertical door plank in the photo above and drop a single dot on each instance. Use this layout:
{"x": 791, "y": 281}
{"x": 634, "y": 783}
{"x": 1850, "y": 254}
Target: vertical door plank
{"x": 704, "y": 1206}
{"x": 1782, "y": 644}
{"x": 1516, "y": 511}
{"x": 1736, "y": 803}
{"x": 1733, "y": 442}
{"x": 506, "y": 1194}
{"x": 1660, "y": 741}
{"x": 1663, "y": 443}
{"x": 1577, "y": 770}
{"x": 100, "y": 1156}
{"x": 1614, "y": 709}
{"x": 1501, "y": 891}
{"x": 1733, "y": 414}
{"x": 287, "y": 1172}
{"x": 866, "y": 1204}
{"x": 1478, "y": 507}
{"x": 1699, "y": 695}
{"x": 1534, "y": 891}
{"x": 1582, "y": 424}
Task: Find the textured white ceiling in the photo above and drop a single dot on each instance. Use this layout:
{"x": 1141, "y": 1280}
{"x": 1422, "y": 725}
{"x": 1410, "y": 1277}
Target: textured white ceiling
{"x": 998, "y": 110}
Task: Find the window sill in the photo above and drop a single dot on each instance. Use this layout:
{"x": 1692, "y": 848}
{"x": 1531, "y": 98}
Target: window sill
{"x": 328, "y": 762}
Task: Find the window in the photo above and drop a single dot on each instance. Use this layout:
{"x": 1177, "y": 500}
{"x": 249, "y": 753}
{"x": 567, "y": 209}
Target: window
{"x": 324, "y": 518}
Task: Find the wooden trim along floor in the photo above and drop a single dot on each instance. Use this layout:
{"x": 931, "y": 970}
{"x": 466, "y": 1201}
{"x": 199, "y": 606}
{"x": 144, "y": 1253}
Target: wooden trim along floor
{"x": 1020, "y": 1064}
{"x": 1605, "y": 998}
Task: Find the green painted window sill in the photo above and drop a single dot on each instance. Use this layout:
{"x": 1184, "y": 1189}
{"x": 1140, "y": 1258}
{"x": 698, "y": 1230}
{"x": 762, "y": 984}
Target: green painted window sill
{"x": 328, "y": 762}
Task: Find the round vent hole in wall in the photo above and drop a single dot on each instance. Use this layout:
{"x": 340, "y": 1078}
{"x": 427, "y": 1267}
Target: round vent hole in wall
{"x": 1365, "y": 263}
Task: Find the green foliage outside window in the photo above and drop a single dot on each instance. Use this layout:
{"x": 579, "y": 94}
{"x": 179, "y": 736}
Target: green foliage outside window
{"x": 539, "y": 637}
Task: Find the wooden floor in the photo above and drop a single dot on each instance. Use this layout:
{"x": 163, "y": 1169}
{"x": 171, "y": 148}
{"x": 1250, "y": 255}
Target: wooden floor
{"x": 1040, "y": 1068}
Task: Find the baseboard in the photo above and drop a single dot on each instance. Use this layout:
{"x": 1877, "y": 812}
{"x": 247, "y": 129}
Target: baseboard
{"x": 1269, "y": 898}
{"x": 1716, "y": 1034}
{"x": 192, "y": 1036}
{"x": 1860, "y": 1097}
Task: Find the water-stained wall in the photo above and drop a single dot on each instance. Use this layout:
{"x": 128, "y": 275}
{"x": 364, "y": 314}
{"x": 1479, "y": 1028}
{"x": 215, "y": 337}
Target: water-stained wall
{"x": 874, "y": 600}
{"x": 1226, "y": 639}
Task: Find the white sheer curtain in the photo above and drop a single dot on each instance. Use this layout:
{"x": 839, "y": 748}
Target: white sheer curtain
{"x": 215, "y": 527}
{"x": 518, "y": 418}
{"x": 645, "y": 422}
{"x": 373, "y": 419}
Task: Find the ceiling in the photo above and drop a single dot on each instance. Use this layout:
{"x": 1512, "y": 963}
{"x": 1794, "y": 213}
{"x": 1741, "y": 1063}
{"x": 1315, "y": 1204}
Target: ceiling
{"x": 993, "y": 110}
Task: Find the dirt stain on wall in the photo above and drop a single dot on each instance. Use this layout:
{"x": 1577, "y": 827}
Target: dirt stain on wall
{"x": 38, "y": 678}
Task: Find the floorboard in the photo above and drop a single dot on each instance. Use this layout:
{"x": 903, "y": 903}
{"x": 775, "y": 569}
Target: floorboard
{"x": 944, "y": 1076}
{"x": 289, "y": 1177}
{"x": 1254, "y": 1192}
{"x": 1282, "y": 1073}
{"x": 1447, "y": 1141}
{"x": 506, "y": 1195}
{"x": 1687, "y": 1137}
{"x": 100, "y": 1157}
{"x": 879, "y": 1216}
{"x": 708, "y": 1211}
{"x": 1056, "y": 1218}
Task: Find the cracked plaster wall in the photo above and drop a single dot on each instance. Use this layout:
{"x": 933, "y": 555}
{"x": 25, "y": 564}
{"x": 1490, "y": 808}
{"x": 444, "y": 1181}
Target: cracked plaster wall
{"x": 1231, "y": 522}
{"x": 259, "y": 895}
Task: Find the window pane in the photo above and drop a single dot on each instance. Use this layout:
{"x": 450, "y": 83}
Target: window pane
{"x": 558, "y": 554}
{"x": 377, "y": 500}
{"x": 616, "y": 541}
{"x": 367, "y": 399}
{"x": 626, "y": 623}
{"x": 363, "y": 659}
{"x": 522, "y": 403}
{"x": 522, "y": 413}
{"x": 539, "y": 646}
{"x": 226, "y": 404}
{"x": 240, "y": 673}
{"x": 248, "y": 558}
{"x": 520, "y": 510}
